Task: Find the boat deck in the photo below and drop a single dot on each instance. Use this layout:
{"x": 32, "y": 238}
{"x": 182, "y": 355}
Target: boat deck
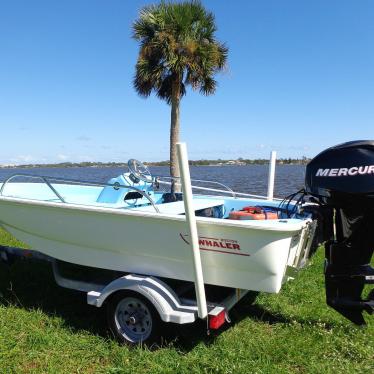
{"x": 177, "y": 207}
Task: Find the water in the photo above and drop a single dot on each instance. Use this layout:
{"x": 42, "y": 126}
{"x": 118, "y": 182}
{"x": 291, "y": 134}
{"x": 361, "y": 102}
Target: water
{"x": 250, "y": 179}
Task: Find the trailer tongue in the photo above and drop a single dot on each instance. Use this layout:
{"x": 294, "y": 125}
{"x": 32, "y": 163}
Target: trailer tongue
{"x": 342, "y": 178}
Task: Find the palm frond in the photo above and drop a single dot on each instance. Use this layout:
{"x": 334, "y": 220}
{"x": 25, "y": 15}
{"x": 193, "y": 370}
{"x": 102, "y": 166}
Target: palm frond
{"x": 177, "y": 47}
{"x": 208, "y": 86}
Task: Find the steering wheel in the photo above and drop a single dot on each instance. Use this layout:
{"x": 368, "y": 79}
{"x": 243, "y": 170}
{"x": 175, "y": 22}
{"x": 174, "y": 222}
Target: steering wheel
{"x": 140, "y": 171}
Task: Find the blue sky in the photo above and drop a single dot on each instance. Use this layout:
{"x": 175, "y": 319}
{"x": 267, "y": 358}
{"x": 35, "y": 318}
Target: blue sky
{"x": 300, "y": 78}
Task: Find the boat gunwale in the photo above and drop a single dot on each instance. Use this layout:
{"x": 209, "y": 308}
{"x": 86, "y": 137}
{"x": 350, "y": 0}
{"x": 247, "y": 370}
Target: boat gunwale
{"x": 267, "y": 225}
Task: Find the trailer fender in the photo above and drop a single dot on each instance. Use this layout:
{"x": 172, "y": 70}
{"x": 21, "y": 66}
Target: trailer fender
{"x": 162, "y": 297}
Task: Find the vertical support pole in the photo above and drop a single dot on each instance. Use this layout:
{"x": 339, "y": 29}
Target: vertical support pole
{"x": 273, "y": 157}
{"x": 191, "y": 223}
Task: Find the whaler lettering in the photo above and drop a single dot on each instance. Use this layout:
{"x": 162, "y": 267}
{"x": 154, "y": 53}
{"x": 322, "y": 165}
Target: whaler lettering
{"x": 219, "y": 244}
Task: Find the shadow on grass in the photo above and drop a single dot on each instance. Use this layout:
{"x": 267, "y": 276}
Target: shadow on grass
{"x": 191, "y": 335}
{"x": 32, "y": 286}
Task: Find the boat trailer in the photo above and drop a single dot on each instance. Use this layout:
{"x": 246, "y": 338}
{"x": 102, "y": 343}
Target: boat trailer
{"x": 151, "y": 300}
{"x": 340, "y": 180}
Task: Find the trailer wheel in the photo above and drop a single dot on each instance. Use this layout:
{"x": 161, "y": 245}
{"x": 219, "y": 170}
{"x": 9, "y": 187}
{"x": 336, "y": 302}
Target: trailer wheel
{"x": 133, "y": 319}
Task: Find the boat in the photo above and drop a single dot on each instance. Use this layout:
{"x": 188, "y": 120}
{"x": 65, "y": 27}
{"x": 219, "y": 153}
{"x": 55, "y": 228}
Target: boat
{"x": 130, "y": 224}
{"x": 161, "y": 244}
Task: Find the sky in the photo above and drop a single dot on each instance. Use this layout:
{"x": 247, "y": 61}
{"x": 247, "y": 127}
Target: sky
{"x": 300, "y": 78}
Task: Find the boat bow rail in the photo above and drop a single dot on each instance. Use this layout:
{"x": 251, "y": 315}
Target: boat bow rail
{"x": 57, "y": 187}
{"x": 43, "y": 178}
{"x": 60, "y": 181}
{"x": 168, "y": 181}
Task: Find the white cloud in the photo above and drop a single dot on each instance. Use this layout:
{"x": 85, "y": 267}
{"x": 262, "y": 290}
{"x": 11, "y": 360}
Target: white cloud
{"x": 83, "y": 138}
{"x": 62, "y": 157}
{"x": 23, "y": 158}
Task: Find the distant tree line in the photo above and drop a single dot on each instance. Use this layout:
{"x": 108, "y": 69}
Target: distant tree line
{"x": 217, "y": 162}
{"x": 239, "y": 161}
{"x": 68, "y": 165}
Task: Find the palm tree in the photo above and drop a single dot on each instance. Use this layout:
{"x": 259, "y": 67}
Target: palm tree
{"x": 177, "y": 48}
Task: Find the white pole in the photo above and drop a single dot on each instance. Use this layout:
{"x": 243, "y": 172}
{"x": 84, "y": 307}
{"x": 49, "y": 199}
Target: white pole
{"x": 191, "y": 222}
{"x": 273, "y": 157}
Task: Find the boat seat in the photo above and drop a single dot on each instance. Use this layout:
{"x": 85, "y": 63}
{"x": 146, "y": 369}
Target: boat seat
{"x": 177, "y": 207}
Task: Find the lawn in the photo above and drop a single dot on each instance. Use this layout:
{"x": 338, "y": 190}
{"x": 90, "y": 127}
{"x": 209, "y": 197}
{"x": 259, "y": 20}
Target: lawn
{"x": 44, "y": 328}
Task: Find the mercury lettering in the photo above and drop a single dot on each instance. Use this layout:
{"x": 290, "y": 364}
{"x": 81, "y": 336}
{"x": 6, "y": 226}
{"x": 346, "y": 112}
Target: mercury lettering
{"x": 346, "y": 172}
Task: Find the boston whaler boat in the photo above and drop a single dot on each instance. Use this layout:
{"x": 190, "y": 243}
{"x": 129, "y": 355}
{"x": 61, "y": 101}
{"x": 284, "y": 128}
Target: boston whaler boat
{"x": 129, "y": 225}
{"x": 134, "y": 228}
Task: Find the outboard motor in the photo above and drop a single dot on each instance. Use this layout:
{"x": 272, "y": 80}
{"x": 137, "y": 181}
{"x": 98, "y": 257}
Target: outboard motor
{"x": 342, "y": 178}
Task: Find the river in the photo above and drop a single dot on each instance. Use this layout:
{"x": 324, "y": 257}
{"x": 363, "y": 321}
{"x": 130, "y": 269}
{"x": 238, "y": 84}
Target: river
{"x": 250, "y": 179}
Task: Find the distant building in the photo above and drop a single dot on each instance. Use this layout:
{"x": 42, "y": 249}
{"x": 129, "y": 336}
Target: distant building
{"x": 235, "y": 162}
{"x": 7, "y": 165}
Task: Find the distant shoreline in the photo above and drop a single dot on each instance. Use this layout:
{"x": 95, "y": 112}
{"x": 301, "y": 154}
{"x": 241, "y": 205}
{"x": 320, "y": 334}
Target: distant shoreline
{"x": 219, "y": 162}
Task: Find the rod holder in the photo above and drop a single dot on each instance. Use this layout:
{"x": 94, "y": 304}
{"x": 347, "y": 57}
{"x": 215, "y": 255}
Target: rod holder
{"x": 273, "y": 158}
{"x": 192, "y": 228}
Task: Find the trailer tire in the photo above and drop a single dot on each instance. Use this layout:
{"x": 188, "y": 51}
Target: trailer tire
{"x": 132, "y": 319}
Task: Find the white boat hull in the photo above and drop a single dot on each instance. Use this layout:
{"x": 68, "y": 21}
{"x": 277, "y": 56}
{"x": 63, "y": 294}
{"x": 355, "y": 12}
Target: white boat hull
{"x": 239, "y": 254}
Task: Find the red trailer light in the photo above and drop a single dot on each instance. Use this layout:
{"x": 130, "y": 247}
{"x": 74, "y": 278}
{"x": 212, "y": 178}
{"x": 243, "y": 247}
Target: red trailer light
{"x": 216, "y": 321}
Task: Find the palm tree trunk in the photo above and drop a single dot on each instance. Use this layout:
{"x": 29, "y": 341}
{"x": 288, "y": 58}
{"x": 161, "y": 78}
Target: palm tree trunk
{"x": 174, "y": 135}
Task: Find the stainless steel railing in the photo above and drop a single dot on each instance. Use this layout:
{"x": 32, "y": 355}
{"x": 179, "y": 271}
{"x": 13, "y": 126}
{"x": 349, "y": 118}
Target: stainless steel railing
{"x": 166, "y": 180}
{"x": 47, "y": 181}
{"x": 226, "y": 190}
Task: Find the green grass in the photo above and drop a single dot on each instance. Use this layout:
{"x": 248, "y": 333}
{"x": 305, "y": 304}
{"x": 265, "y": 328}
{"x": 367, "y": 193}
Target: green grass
{"x": 44, "y": 328}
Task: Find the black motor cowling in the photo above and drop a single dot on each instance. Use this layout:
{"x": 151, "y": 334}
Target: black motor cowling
{"x": 343, "y": 172}
{"x": 342, "y": 178}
